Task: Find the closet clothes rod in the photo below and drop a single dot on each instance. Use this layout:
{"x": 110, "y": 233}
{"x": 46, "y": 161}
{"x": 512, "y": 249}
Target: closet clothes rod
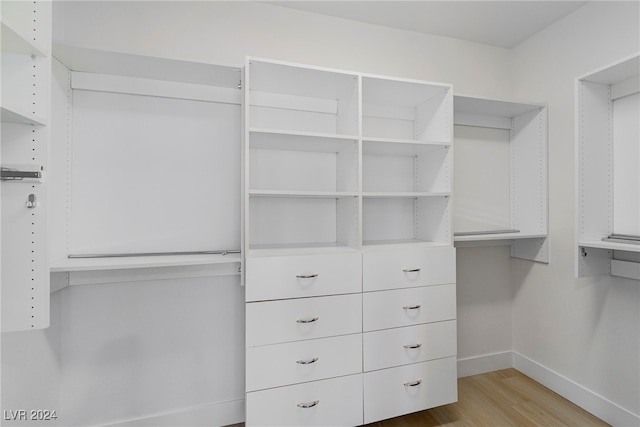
{"x": 142, "y": 254}
{"x": 623, "y": 238}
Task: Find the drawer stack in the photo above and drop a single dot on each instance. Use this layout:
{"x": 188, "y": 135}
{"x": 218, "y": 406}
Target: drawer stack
{"x": 409, "y": 324}
{"x": 304, "y": 341}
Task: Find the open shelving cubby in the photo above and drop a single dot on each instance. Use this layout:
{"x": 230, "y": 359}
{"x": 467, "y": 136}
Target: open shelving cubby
{"x": 406, "y": 162}
{"x": 608, "y": 180}
{"x": 152, "y": 141}
{"x": 302, "y": 158}
{"x": 502, "y": 196}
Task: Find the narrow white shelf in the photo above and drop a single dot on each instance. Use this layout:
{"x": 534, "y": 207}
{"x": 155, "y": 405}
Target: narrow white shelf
{"x": 14, "y": 41}
{"x": 295, "y": 140}
{"x": 615, "y": 246}
{"x": 368, "y": 140}
{"x": 401, "y": 194}
{"x": 301, "y": 194}
{"x": 496, "y": 236}
{"x": 15, "y": 115}
{"x": 386, "y": 244}
{"x": 119, "y": 263}
{"x": 298, "y": 249}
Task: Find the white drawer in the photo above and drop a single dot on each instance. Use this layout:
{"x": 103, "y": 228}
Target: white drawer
{"x": 405, "y": 307}
{"x": 411, "y": 344}
{"x": 339, "y": 403}
{"x": 393, "y": 269}
{"x": 281, "y": 277}
{"x": 396, "y": 391}
{"x": 272, "y": 322}
{"x": 296, "y": 362}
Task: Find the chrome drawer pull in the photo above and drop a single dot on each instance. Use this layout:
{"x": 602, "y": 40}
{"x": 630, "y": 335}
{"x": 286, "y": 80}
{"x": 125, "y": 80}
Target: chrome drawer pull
{"x": 411, "y": 270}
{"x": 413, "y": 383}
{"x": 412, "y": 307}
{"x": 416, "y": 345}
{"x": 314, "y": 319}
{"x": 307, "y": 362}
{"x": 306, "y": 405}
{"x": 306, "y": 276}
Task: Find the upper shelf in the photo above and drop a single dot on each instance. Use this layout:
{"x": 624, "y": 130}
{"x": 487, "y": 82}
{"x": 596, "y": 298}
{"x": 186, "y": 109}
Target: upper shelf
{"x": 15, "y": 41}
{"x": 15, "y": 115}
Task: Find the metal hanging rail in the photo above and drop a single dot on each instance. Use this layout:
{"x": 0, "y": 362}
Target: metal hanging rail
{"x": 143, "y": 254}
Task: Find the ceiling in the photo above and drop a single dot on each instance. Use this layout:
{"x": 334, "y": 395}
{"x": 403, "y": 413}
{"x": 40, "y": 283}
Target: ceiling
{"x": 497, "y": 23}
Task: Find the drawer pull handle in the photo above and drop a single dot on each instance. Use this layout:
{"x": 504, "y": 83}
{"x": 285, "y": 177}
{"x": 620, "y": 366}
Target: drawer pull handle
{"x": 307, "y": 362}
{"x": 306, "y": 405}
{"x": 411, "y": 270}
{"x": 412, "y": 307}
{"x": 314, "y": 319}
{"x": 306, "y": 276}
{"x": 413, "y": 383}
{"x": 416, "y": 345}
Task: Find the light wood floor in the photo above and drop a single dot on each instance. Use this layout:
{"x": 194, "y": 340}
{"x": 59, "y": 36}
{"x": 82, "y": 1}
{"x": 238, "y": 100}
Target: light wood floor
{"x": 500, "y": 399}
{"x": 505, "y": 398}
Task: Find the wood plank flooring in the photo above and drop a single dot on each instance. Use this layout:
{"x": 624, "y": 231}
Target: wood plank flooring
{"x": 502, "y": 398}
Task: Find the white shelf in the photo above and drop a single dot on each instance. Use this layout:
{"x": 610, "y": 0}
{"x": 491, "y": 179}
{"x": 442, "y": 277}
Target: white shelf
{"x": 301, "y": 194}
{"x": 298, "y": 249}
{"x": 614, "y": 246}
{"x": 401, "y": 194}
{"x": 386, "y": 244}
{"x": 134, "y": 262}
{"x": 15, "y": 41}
{"x": 277, "y": 139}
{"x": 497, "y": 236}
{"x": 15, "y": 115}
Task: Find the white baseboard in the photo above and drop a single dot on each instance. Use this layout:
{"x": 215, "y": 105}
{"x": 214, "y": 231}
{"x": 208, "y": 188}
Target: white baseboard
{"x": 485, "y": 363}
{"x": 215, "y": 414}
{"x": 574, "y": 392}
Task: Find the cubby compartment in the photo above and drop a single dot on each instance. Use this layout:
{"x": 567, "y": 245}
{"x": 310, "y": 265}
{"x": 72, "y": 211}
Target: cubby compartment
{"x": 297, "y": 223}
{"x": 405, "y": 219}
{"x": 502, "y": 192}
{"x": 405, "y": 167}
{"x": 282, "y": 161}
{"x": 608, "y": 181}
{"x": 406, "y": 110}
{"x": 295, "y": 98}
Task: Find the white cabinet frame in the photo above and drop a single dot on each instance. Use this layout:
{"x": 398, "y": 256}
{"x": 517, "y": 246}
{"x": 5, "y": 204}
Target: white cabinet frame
{"x": 528, "y": 174}
{"x": 599, "y": 251}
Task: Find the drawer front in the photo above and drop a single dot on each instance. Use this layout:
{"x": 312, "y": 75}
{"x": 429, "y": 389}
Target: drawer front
{"x": 292, "y": 363}
{"x": 411, "y": 344}
{"x": 405, "y": 307}
{"x": 392, "y": 392}
{"x": 282, "y": 277}
{"x": 333, "y": 402}
{"x": 272, "y": 322}
{"x": 405, "y": 268}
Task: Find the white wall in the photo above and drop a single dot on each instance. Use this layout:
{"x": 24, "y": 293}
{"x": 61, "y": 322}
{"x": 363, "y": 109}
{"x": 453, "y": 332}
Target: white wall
{"x": 222, "y": 33}
{"x": 587, "y": 330}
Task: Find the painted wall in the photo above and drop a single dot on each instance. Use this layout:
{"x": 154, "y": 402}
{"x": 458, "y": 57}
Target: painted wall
{"x": 222, "y": 33}
{"x": 586, "y": 330}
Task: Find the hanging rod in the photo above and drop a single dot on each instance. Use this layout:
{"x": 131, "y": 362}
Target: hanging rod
{"x": 9, "y": 174}
{"x": 480, "y": 233}
{"x": 623, "y": 238}
{"x": 141, "y": 254}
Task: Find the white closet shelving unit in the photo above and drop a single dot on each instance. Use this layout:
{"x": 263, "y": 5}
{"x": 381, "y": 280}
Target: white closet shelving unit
{"x": 347, "y": 189}
{"x": 502, "y": 191}
{"x": 608, "y": 181}
{"x": 142, "y": 149}
{"x": 26, "y": 75}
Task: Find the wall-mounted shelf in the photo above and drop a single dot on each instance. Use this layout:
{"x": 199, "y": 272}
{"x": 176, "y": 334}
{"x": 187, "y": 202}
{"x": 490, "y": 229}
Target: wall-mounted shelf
{"x": 608, "y": 180}
{"x": 502, "y": 194}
